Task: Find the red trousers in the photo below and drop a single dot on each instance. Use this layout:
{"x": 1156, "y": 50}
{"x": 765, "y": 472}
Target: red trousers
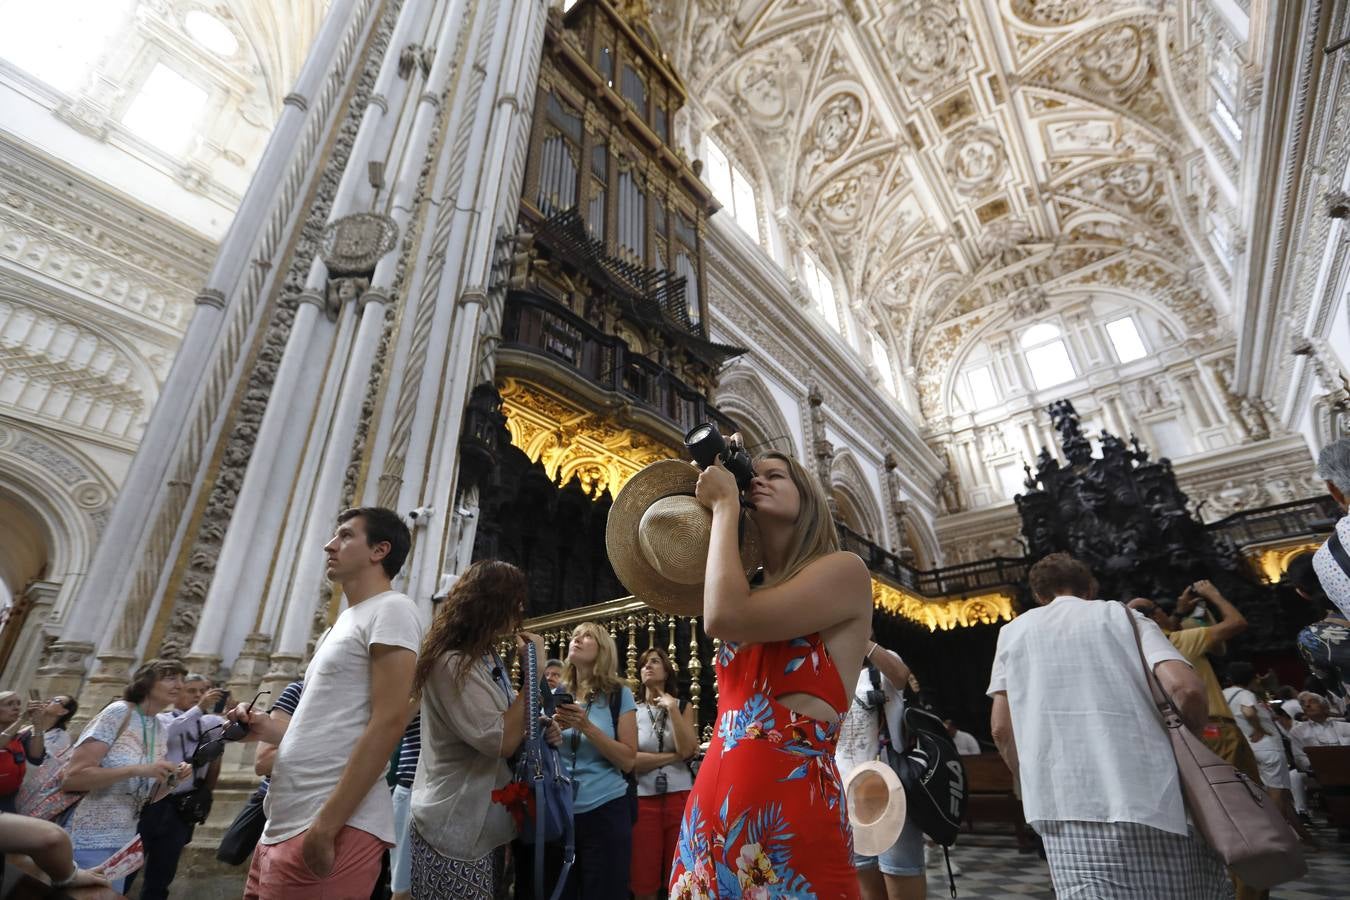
{"x": 654, "y": 838}
{"x": 278, "y": 871}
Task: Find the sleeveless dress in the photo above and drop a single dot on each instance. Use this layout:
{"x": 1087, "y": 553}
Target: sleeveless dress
{"x": 766, "y": 818}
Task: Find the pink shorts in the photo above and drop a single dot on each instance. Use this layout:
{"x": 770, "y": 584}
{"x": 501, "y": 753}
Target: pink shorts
{"x": 278, "y": 871}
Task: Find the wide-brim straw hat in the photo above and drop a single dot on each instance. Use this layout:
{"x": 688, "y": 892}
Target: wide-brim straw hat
{"x": 876, "y": 807}
{"x": 657, "y": 538}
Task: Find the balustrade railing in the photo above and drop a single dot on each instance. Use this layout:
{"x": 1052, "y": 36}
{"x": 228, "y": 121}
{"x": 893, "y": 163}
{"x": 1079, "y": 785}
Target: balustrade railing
{"x": 1283, "y": 521}
{"x": 541, "y": 326}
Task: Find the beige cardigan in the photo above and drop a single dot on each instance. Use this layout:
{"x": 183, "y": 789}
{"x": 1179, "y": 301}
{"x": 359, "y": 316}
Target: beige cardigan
{"x": 461, "y": 763}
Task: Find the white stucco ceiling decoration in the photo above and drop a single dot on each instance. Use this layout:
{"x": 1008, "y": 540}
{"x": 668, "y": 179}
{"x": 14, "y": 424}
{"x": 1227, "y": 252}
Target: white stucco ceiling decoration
{"x": 929, "y": 151}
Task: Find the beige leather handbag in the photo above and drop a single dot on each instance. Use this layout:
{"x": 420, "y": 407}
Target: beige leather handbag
{"x": 1233, "y": 814}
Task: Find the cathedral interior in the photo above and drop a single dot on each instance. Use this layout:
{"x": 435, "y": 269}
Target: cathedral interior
{"x": 1007, "y": 276}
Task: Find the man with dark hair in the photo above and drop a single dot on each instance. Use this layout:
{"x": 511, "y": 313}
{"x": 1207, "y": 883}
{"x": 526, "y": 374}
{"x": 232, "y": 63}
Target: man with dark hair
{"x": 1074, "y": 719}
{"x": 383, "y": 526}
{"x": 329, "y": 813}
{"x": 1325, "y": 644}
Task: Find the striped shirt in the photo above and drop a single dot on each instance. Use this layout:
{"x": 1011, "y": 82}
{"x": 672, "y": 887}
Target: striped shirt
{"x": 287, "y": 702}
{"x": 409, "y": 751}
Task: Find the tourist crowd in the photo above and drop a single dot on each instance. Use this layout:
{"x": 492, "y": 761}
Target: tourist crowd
{"x": 389, "y": 765}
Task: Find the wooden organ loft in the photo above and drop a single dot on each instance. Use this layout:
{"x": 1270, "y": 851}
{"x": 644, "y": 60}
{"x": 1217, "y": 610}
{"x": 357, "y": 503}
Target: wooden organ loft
{"x": 604, "y": 361}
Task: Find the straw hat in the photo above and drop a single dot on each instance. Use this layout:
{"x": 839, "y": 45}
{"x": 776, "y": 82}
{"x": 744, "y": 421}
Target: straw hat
{"x": 876, "y": 807}
{"x": 657, "y": 538}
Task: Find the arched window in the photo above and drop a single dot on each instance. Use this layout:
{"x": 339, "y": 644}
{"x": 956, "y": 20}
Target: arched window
{"x": 882, "y": 361}
{"x": 1125, "y": 339}
{"x": 976, "y": 388}
{"x": 1047, "y": 355}
{"x": 166, "y": 110}
{"x": 821, "y": 290}
{"x": 732, "y": 188}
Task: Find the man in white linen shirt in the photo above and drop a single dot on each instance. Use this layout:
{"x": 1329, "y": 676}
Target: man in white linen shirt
{"x": 1319, "y": 730}
{"x": 1099, "y": 783}
{"x": 329, "y": 813}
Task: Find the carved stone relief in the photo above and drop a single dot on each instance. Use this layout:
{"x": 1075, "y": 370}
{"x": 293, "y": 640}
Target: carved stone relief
{"x": 975, "y": 160}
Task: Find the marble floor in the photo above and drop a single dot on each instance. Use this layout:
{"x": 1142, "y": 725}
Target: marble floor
{"x": 992, "y": 867}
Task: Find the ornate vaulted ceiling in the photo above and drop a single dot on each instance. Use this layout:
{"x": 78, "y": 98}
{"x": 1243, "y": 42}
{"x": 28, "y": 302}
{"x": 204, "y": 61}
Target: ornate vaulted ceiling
{"x": 956, "y": 159}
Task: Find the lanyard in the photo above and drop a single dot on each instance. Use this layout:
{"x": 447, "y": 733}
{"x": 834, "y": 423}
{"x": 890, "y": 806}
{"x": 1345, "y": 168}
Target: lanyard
{"x": 498, "y": 670}
{"x": 658, "y": 726}
{"x": 148, "y": 740}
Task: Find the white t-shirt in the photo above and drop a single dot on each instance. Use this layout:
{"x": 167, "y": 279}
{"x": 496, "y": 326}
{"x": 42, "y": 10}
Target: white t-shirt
{"x": 1090, "y": 743}
{"x": 966, "y": 745}
{"x": 1239, "y": 697}
{"x": 332, "y": 714}
{"x": 860, "y": 732}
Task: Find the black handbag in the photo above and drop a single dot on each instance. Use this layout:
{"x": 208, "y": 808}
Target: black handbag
{"x": 242, "y": 836}
{"x": 194, "y": 806}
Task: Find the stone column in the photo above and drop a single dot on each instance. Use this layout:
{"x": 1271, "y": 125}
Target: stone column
{"x": 20, "y": 670}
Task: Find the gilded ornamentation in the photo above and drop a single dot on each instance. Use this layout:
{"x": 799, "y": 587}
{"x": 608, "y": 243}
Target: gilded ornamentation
{"x": 957, "y": 612}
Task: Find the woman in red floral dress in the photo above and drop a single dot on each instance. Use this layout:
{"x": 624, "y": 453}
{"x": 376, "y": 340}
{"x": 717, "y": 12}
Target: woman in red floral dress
{"x": 766, "y": 818}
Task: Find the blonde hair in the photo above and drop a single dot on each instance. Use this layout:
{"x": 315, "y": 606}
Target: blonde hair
{"x": 814, "y": 535}
{"x": 605, "y": 674}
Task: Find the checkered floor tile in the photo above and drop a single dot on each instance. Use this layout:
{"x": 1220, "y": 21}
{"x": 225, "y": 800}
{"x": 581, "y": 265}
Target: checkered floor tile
{"x": 992, "y": 868}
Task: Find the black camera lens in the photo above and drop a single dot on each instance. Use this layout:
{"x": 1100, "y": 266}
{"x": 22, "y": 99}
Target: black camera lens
{"x": 705, "y": 443}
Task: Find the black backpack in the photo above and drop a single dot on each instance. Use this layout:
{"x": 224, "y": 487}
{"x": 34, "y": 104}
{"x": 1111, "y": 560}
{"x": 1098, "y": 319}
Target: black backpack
{"x": 931, "y": 772}
{"x": 933, "y": 777}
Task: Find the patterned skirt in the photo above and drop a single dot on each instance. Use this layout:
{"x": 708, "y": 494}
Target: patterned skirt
{"x": 435, "y": 877}
{"x": 1128, "y": 861}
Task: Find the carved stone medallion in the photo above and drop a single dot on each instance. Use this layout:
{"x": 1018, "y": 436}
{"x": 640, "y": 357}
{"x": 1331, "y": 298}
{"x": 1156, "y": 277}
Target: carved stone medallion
{"x": 355, "y": 243}
{"x": 1050, "y": 12}
{"x": 975, "y": 160}
{"x": 837, "y": 125}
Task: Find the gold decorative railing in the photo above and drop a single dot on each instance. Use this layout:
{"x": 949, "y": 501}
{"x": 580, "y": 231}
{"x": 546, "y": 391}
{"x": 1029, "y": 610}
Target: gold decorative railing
{"x": 636, "y": 627}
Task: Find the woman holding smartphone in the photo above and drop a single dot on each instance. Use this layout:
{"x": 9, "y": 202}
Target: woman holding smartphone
{"x": 767, "y": 806}
{"x": 599, "y": 744}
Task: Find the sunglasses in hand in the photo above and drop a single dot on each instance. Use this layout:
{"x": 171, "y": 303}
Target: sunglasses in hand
{"x": 209, "y": 751}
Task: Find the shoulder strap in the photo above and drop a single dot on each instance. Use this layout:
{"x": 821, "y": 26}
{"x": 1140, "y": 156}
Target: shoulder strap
{"x": 615, "y": 701}
{"x": 1170, "y": 716}
{"x": 1338, "y": 551}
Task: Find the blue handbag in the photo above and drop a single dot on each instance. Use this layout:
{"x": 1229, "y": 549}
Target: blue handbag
{"x": 540, "y": 767}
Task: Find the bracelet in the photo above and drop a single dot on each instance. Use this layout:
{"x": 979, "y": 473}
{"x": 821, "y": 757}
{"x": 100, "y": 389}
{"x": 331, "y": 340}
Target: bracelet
{"x": 874, "y": 646}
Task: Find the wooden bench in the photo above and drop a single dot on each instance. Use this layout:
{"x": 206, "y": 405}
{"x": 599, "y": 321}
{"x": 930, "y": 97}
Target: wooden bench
{"x": 1331, "y": 768}
{"x": 991, "y": 799}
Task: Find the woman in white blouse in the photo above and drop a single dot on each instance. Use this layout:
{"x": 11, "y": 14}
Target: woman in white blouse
{"x": 472, "y": 720}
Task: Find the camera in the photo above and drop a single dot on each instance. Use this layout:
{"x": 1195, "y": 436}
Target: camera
{"x": 705, "y": 443}
{"x": 421, "y": 514}
{"x": 222, "y": 704}
{"x": 561, "y": 697}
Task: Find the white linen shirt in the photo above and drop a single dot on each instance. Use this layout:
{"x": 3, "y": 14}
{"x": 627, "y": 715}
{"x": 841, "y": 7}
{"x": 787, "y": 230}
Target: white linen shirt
{"x": 1334, "y": 579}
{"x": 1331, "y": 733}
{"x": 1090, "y": 742}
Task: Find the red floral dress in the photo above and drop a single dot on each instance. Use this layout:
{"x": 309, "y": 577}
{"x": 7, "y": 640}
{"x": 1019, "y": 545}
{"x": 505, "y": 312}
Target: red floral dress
{"x": 766, "y": 818}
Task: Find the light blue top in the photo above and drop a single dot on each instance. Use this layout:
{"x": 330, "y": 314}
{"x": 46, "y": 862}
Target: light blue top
{"x": 595, "y": 780}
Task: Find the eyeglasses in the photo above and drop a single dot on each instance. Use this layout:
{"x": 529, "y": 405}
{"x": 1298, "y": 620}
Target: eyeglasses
{"x": 235, "y": 731}
{"x": 211, "y": 750}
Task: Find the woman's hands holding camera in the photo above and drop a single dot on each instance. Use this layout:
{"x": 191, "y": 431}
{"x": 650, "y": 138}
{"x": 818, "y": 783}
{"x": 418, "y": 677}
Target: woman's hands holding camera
{"x": 717, "y": 487}
{"x": 160, "y": 771}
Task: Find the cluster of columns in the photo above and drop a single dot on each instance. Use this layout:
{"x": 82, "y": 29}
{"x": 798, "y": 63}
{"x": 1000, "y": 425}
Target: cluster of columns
{"x": 438, "y": 151}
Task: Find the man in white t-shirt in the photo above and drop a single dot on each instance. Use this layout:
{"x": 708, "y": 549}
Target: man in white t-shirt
{"x": 329, "y": 812}
{"x": 965, "y": 742}
{"x": 1074, "y": 719}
